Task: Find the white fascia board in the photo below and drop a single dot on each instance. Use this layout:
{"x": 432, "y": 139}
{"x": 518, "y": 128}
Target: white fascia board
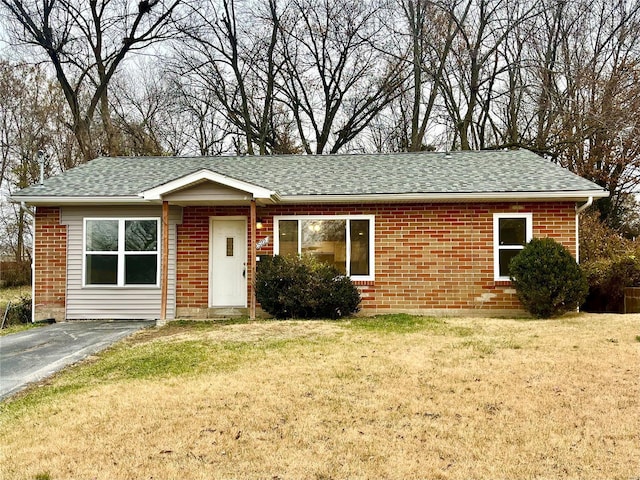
{"x": 43, "y": 200}
{"x": 310, "y": 199}
{"x": 206, "y": 175}
{"x": 446, "y": 197}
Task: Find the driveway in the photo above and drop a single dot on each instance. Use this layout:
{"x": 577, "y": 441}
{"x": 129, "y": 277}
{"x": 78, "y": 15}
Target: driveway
{"x": 35, "y": 354}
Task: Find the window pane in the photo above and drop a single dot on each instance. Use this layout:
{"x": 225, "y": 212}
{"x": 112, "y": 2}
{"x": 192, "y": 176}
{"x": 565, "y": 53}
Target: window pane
{"x": 140, "y": 269}
{"x": 513, "y": 231}
{"x": 102, "y": 235}
{"x": 359, "y": 247}
{"x": 288, "y": 233}
{"x": 505, "y": 258}
{"x": 141, "y": 235}
{"x": 102, "y": 270}
{"x": 326, "y": 240}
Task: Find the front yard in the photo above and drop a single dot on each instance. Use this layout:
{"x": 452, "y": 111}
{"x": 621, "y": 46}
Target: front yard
{"x": 389, "y": 397}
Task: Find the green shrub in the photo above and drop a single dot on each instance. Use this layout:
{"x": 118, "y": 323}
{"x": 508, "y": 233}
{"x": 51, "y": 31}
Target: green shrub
{"x": 608, "y": 277}
{"x": 547, "y": 278}
{"x": 302, "y": 287}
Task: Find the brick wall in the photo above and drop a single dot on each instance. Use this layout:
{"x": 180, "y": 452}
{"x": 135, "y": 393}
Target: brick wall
{"x": 428, "y": 256}
{"x": 50, "y": 264}
{"x": 192, "y": 289}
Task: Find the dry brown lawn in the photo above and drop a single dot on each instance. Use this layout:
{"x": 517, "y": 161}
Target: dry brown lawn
{"x": 434, "y": 399}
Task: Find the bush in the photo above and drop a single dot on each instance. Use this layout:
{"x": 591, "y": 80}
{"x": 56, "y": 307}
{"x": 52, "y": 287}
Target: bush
{"x": 547, "y": 278}
{"x": 19, "y": 312}
{"x": 598, "y": 240}
{"x": 302, "y": 287}
{"x": 610, "y": 262}
{"x": 608, "y": 277}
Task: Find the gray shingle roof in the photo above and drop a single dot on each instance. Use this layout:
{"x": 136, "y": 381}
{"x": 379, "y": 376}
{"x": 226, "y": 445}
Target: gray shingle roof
{"x": 352, "y": 174}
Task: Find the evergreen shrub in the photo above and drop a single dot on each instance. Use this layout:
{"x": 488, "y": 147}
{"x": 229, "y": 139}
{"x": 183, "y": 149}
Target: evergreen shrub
{"x": 302, "y": 287}
{"x": 547, "y": 279}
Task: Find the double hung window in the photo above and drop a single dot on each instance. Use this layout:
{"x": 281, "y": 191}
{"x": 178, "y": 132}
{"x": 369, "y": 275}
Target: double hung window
{"x": 344, "y": 241}
{"x": 121, "y": 252}
{"x": 511, "y": 232}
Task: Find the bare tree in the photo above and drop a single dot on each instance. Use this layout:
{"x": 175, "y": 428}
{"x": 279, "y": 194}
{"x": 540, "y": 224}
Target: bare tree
{"x": 198, "y": 118}
{"x": 86, "y": 43}
{"x": 229, "y": 56}
{"x": 476, "y": 64}
{"x": 29, "y": 103}
{"x": 142, "y": 108}
{"x": 336, "y": 78}
{"x": 598, "y": 114}
{"x": 431, "y": 31}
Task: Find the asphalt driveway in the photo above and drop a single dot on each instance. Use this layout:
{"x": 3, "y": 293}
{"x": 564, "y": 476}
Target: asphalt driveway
{"x": 35, "y": 354}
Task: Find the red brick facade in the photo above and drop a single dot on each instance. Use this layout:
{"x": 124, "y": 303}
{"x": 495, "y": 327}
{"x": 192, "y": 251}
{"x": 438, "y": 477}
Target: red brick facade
{"x": 50, "y": 277}
{"x": 435, "y": 256}
{"x": 427, "y": 256}
{"x": 192, "y": 290}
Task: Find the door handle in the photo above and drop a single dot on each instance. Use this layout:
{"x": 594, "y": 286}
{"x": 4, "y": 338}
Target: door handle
{"x": 244, "y": 273}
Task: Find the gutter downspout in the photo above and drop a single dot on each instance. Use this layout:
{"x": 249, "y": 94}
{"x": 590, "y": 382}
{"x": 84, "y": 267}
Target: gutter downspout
{"x": 579, "y": 210}
{"x": 24, "y": 208}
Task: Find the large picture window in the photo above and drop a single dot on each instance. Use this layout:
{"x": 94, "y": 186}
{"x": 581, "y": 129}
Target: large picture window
{"x": 345, "y": 242}
{"x": 511, "y": 232}
{"x": 121, "y": 252}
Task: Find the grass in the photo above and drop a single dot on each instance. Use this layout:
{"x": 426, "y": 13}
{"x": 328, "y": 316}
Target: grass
{"x": 389, "y": 397}
{"x": 18, "y": 328}
{"x": 13, "y": 294}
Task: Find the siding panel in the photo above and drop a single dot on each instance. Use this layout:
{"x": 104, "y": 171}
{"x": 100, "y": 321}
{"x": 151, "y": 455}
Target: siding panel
{"x": 112, "y": 302}
{"x": 207, "y": 192}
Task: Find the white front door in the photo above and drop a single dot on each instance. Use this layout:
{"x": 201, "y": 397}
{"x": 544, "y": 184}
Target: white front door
{"x": 228, "y": 263}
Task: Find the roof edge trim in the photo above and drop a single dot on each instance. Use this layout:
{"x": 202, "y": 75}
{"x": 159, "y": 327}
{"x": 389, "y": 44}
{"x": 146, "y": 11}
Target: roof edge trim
{"x": 582, "y": 195}
{"x": 487, "y": 196}
{"x": 66, "y": 200}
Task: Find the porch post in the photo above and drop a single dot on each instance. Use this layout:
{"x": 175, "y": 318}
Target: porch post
{"x": 252, "y": 260}
{"x": 164, "y": 280}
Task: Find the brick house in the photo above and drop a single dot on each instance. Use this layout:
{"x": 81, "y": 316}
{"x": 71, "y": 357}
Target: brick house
{"x": 162, "y": 238}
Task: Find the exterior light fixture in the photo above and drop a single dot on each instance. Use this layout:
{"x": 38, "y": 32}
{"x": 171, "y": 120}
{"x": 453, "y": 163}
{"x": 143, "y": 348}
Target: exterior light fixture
{"x": 259, "y": 224}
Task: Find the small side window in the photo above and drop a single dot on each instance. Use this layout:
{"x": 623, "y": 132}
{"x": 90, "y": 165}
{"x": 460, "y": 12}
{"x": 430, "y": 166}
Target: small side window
{"x": 511, "y": 232}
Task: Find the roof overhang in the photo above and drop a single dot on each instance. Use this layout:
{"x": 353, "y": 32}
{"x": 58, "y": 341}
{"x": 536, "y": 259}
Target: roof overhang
{"x": 53, "y": 201}
{"x": 264, "y": 196}
{"x": 256, "y": 192}
{"x": 569, "y": 196}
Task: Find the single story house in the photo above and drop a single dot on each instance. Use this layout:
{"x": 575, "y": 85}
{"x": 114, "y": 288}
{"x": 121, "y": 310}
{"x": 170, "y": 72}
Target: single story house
{"x": 166, "y": 237}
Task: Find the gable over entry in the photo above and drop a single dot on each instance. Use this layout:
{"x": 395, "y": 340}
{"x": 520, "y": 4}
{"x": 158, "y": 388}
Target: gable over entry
{"x": 205, "y": 186}
{"x": 227, "y": 254}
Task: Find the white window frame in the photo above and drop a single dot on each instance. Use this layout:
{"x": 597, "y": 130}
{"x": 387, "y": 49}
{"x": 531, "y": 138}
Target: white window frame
{"x": 528, "y": 217}
{"x": 300, "y": 218}
{"x": 121, "y": 252}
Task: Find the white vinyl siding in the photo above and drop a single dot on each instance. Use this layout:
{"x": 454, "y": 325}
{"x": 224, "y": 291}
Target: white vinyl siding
{"x": 109, "y": 302}
{"x": 206, "y": 192}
